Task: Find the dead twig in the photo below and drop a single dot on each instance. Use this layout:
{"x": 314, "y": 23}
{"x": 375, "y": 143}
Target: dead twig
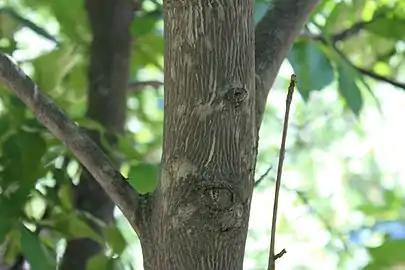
{"x": 263, "y": 176}
{"x": 272, "y": 255}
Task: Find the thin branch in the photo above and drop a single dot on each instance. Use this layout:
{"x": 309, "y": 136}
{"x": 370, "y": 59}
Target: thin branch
{"x": 363, "y": 71}
{"x": 135, "y": 86}
{"x": 378, "y": 77}
{"x": 274, "y": 36}
{"x": 369, "y": 73}
{"x": 263, "y": 176}
{"x": 280, "y": 254}
{"x": 86, "y": 151}
{"x": 272, "y": 255}
{"x": 352, "y": 30}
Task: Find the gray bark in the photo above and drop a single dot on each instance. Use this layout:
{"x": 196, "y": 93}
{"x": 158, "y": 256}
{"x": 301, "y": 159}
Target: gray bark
{"x": 198, "y": 216}
{"x": 201, "y": 212}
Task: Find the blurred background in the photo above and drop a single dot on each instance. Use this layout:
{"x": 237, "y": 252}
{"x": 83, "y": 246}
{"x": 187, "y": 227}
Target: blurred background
{"x": 342, "y": 197}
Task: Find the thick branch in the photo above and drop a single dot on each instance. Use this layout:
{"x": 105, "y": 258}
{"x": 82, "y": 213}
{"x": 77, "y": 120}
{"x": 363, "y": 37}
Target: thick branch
{"x": 86, "y": 151}
{"x": 275, "y": 34}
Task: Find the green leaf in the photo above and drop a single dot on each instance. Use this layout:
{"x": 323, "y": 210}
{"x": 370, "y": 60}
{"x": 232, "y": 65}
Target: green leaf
{"x": 143, "y": 25}
{"x": 39, "y": 257}
{"x": 312, "y": 67}
{"x": 143, "y": 177}
{"x": 349, "y": 89}
{"x": 73, "y": 226}
{"x": 13, "y": 246}
{"x": 53, "y": 67}
{"x": 340, "y": 17}
{"x": 126, "y": 146}
{"x": 21, "y": 156}
{"x": 71, "y": 17}
{"x": 391, "y": 252}
{"x": 100, "y": 262}
{"x": 388, "y": 28}
{"x": 8, "y": 25}
{"x": 66, "y": 196}
{"x": 115, "y": 239}
{"x": 27, "y": 23}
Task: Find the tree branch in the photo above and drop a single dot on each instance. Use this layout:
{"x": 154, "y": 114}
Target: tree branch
{"x": 273, "y": 256}
{"x": 368, "y": 73}
{"x": 275, "y": 34}
{"x": 361, "y": 70}
{"x": 86, "y": 151}
{"x": 135, "y": 86}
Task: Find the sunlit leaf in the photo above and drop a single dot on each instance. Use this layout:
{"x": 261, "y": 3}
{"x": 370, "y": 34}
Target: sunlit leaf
{"x": 391, "y": 252}
{"x": 143, "y": 177}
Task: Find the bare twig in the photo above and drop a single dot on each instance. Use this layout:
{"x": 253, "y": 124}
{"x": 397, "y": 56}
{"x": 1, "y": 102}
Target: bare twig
{"x": 274, "y": 35}
{"x": 280, "y": 254}
{"x": 135, "y": 86}
{"x": 263, "y": 176}
{"x": 272, "y": 255}
{"x": 86, "y": 151}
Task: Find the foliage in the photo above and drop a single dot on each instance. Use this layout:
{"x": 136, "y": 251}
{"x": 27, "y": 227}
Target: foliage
{"x": 344, "y": 47}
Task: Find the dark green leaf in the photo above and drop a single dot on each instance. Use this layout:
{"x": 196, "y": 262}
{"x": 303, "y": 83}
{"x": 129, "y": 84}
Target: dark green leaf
{"x": 349, "y": 89}
{"x": 143, "y": 177}
{"x": 312, "y": 67}
{"x": 38, "y": 256}
{"x": 142, "y": 26}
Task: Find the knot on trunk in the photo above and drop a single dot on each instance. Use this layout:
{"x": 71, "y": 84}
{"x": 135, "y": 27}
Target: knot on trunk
{"x": 220, "y": 206}
{"x": 236, "y": 95}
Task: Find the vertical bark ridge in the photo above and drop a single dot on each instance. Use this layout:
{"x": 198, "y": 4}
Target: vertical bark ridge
{"x": 203, "y": 202}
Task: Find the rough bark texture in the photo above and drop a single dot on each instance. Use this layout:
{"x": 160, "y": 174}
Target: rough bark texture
{"x": 108, "y": 77}
{"x": 198, "y": 216}
{"x": 201, "y": 210}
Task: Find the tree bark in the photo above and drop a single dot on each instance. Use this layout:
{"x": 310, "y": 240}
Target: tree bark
{"x": 201, "y": 212}
{"x": 108, "y": 76}
{"x": 198, "y": 216}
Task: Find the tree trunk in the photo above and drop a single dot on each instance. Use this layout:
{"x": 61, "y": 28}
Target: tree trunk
{"x": 201, "y": 208}
{"x": 198, "y": 216}
{"x": 108, "y": 76}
